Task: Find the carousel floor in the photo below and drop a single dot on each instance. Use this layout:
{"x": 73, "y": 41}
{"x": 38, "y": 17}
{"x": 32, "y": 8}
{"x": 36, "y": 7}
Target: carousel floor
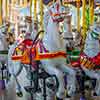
{"x": 5, "y": 97}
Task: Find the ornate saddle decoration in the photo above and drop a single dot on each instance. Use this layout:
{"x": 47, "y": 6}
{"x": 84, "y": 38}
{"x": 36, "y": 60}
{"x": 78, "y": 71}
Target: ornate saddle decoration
{"x": 90, "y": 63}
{"x": 27, "y": 51}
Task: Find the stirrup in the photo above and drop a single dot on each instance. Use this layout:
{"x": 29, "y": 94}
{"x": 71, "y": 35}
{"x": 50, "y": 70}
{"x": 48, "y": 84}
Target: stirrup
{"x": 31, "y": 89}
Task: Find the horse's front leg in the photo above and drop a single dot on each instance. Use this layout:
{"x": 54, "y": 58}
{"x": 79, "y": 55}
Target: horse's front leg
{"x": 71, "y": 79}
{"x": 21, "y": 82}
{"x": 94, "y": 75}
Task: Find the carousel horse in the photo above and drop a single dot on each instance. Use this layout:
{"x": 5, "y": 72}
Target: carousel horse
{"x": 90, "y": 58}
{"x": 54, "y": 43}
{"x": 20, "y": 80}
{"x": 53, "y": 54}
{"x": 18, "y": 71}
{"x": 21, "y": 74}
{"x": 3, "y": 58}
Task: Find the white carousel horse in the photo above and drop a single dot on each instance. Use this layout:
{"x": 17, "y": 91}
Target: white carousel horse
{"x": 92, "y": 54}
{"x": 3, "y": 60}
{"x": 18, "y": 73}
{"x": 54, "y": 43}
{"x": 18, "y": 78}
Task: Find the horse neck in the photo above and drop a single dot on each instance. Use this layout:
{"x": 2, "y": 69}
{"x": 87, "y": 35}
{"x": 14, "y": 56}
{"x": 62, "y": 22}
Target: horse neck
{"x": 14, "y": 67}
{"x": 3, "y": 44}
{"x": 92, "y": 47}
{"x": 52, "y": 36}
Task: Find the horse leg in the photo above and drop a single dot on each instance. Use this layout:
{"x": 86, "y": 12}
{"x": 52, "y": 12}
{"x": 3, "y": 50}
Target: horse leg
{"x": 80, "y": 80}
{"x": 22, "y": 79}
{"x": 11, "y": 88}
{"x": 92, "y": 74}
{"x": 71, "y": 78}
{"x": 52, "y": 70}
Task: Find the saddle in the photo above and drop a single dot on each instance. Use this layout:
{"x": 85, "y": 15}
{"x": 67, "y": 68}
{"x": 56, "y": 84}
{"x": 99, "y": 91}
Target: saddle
{"x": 27, "y": 51}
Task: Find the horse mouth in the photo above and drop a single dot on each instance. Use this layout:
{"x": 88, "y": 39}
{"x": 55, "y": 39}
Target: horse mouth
{"x": 58, "y": 17}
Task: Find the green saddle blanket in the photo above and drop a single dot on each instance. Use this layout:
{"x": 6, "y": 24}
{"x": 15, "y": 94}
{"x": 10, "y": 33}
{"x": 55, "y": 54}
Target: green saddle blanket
{"x": 72, "y": 55}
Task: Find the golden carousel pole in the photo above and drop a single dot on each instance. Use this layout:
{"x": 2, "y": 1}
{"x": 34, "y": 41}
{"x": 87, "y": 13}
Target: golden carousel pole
{"x": 91, "y": 11}
{"x": 15, "y": 22}
{"x": 31, "y": 3}
{"x": 41, "y": 18}
{"x": 6, "y": 7}
{"x": 78, "y": 15}
{"x": 11, "y": 12}
{"x": 35, "y": 20}
{"x": 35, "y": 10}
{"x": 41, "y": 14}
{"x": 8, "y": 12}
{"x": 4, "y": 10}
{"x": 25, "y": 3}
{"x": 0, "y": 12}
{"x": 84, "y": 19}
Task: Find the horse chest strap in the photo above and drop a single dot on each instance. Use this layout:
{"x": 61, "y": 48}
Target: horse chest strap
{"x": 84, "y": 61}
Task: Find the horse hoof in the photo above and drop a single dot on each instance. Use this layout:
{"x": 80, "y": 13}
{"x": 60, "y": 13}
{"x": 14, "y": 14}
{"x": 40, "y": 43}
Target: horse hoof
{"x": 58, "y": 98}
{"x": 19, "y": 94}
{"x": 68, "y": 96}
{"x": 94, "y": 94}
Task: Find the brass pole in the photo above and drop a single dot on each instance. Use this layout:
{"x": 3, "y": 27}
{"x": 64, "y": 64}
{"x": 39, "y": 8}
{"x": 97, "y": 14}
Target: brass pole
{"x": 35, "y": 10}
{"x": 41, "y": 14}
{"x": 91, "y": 11}
{"x": 25, "y": 3}
{"x": 6, "y": 8}
{"x": 31, "y": 3}
{"x": 84, "y": 19}
{"x": 41, "y": 18}
{"x": 0, "y": 12}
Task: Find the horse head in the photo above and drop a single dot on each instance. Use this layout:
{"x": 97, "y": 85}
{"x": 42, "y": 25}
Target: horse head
{"x": 57, "y": 12}
{"x": 92, "y": 44}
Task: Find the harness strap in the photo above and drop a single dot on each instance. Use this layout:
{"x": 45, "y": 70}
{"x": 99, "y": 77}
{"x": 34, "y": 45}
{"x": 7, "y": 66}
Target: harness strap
{"x": 94, "y": 35}
{"x": 87, "y": 63}
{"x": 36, "y": 55}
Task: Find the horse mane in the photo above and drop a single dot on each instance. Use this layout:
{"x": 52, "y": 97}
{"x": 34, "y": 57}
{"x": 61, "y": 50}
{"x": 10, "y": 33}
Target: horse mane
{"x": 46, "y": 19}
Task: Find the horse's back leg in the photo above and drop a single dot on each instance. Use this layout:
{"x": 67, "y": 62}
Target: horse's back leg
{"x": 11, "y": 90}
{"x": 52, "y": 70}
{"x": 94, "y": 75}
